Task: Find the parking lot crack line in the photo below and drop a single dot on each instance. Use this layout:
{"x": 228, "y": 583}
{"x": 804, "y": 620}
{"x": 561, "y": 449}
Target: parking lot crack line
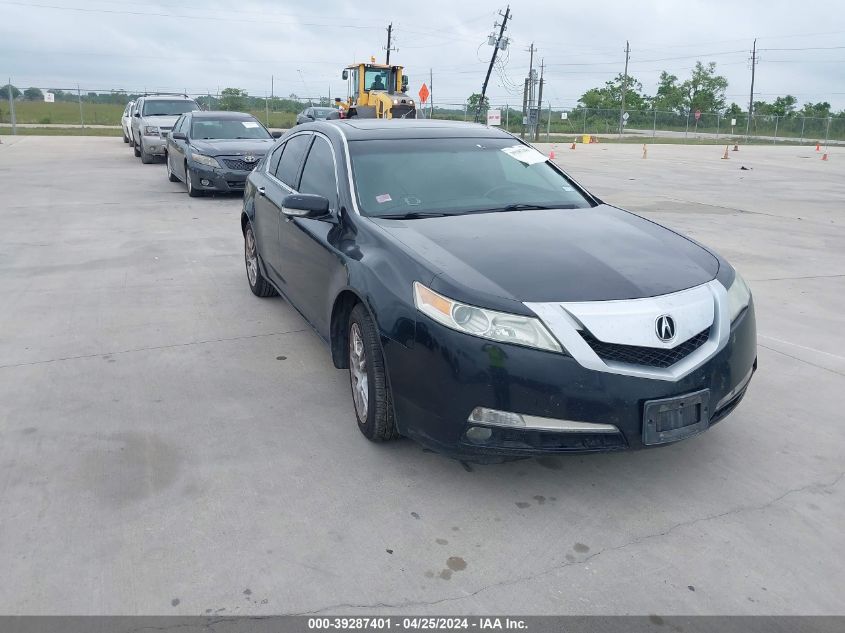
{"x": 837, "y": 276}
{"x": 800, "y": 360}
{"x": 153, "y": 348}
{"x": 550, "y": 570}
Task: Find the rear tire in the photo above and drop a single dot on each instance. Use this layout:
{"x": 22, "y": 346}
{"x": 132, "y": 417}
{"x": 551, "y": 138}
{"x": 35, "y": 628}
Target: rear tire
{"x": 260, "y": 287}
{"x": 170, "y": 175}
{"x": 125, "y": 138}
{"x": 371, "y": 397}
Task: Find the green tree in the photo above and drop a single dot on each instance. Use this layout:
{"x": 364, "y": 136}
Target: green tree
{"x": 4, "y": 92}
{"x": 732, "y": 111}
{"x": 474, "y": 100}
{"x": 33, "y": 94}
{"x": 610, "y": 97}
{"x": 784, "y": 106}
{"x": 670, "y": 95}
{"x": 233, "y": 99}
{"x": 820, "y": 109}
{"x": 705, "y": 90}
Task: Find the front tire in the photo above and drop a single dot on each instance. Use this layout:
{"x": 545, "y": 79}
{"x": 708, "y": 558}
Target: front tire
{"x": 125, "y": 138}
{"x": 146, "y": 158}
{"x": 193, "y": 193}
{"x": 260, "y": 287}
{"x": 371, "y": 395}
{"x": 136, "y": 149}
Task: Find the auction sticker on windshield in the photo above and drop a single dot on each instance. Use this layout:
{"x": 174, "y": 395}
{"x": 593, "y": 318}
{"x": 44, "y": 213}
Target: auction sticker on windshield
{"x": 524, "y": 154}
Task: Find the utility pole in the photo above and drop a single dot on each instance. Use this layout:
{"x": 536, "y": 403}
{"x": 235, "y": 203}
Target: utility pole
{"x": 524, "y": 107}
{"x": 499, "y": 43}
{"x": 539, "y": 102}
{"x": 529, "y": 83}
{"x": 12, "y": 108}
{"x": 79, "y": 96}
{"x": 624, "y": 88}
{"x": 751, "y": 98}
{"x": 272, "y": 87}
{"x": 389, "y": 42}
{"x": 430, "y": 94}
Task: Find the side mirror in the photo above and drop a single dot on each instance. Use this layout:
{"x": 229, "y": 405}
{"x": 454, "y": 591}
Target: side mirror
{"x": 310, "y": 117}
{"x": 137, "y": 115}
{"x": 345, "y": 75}
{"x": 276, "y": 134}
{"x": 305, "y": 205}
{"x": 178, "y": 136}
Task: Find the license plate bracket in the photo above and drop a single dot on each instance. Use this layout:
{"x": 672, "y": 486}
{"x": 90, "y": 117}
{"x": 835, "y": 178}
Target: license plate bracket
{"x": 672, "y": 419}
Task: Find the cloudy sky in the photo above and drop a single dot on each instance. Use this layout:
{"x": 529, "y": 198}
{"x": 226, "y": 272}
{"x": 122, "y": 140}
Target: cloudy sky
{"x": 205, "y": 45}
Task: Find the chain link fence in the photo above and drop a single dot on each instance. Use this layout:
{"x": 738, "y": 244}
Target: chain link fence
{"x": 83, "y": 107}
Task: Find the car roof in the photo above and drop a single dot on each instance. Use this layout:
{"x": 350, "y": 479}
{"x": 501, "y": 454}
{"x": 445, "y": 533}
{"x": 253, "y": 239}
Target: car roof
{"x": 166, "y": 98}
{"x": 370, "y": 129}
{"x": 221, "y": 114}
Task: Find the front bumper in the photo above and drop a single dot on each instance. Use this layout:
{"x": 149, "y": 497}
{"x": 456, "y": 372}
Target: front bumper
{"x": 155, "y": 145}
{"x": 219, "y": 179}
{"x": 445, "y": 375}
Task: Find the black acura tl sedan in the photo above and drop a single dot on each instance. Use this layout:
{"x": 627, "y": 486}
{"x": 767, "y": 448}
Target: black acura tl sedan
{"x": 484, "y": 303}
{"x": 215, "y": 151}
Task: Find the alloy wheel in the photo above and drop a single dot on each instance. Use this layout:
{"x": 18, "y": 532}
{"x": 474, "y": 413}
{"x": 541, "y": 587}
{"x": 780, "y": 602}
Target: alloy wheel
{"x": 251, "y": 257}
{"x": 358, "y": 371}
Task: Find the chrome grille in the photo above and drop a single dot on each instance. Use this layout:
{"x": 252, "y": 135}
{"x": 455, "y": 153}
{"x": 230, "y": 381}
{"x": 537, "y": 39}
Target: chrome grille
{"x": 648, "y": 356}
{"x": 239, "y": 165}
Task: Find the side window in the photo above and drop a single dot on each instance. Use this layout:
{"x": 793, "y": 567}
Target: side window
{"x": 295, "y": 149}
{"x": 273, "y": 160}
{"x": 318, "y": 174}
{"x": 185, "y": 126}
{"x": 177, "y": 127}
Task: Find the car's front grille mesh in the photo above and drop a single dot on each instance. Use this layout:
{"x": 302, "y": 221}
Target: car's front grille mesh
{"x": 648, "y": 356}
{"x": 239, "y": 165}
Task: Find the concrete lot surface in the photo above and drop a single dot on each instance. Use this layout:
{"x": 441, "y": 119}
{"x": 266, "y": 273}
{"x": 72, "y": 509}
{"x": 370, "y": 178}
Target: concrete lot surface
{"x": 171, "y": 444}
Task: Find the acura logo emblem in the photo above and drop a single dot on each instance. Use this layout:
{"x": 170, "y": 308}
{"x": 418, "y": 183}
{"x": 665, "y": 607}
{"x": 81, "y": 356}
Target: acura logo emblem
{"x": 249, "y": 158}
{"x": 665, "y": 328}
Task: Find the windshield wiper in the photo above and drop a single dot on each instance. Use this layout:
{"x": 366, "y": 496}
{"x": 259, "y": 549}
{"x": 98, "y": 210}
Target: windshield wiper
{"x": 524, "y": 207}
{"x": 413, "y": 215}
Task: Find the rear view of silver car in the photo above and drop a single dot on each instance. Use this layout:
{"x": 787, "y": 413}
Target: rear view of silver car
{"x": 152, "y": 120}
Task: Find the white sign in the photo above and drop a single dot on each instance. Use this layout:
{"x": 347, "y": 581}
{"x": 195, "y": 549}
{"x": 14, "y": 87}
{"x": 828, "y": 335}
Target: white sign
{"x": 564, "y": 116}
{"x": 49, "y": 97}
{"x": 733, "y": 122}
{"x": 524, "y": 154}
{"x": 625, "y": 116}
{"x": 494, "y": 117}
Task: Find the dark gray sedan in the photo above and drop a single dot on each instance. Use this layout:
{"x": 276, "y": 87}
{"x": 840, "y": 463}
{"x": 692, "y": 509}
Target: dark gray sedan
{"x": 215, "y": 151}
{"x": 311, "y": 114}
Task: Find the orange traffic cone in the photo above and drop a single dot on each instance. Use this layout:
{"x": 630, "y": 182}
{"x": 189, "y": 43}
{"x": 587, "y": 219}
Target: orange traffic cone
{"x": 824, "y": 156}
{"x": 645, "y": 151}
{"x": 572, "y": 146}
{"x": 736, "y": 148}
{"x": 552, "y": 155}
{"x": 818, "y": 148}
{"x": 726, "y": 157}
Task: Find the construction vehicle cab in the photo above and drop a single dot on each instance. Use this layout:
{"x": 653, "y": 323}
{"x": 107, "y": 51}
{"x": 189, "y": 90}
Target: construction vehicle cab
{"x": 377, "y": 91}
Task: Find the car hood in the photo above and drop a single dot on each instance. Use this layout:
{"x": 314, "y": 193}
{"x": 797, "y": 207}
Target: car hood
{"x": 161, "y": 121}
{"x": 595, "y": 254}
{"x": 233, "y": 147}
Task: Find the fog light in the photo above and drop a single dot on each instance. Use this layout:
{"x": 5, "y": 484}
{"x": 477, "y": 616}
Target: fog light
{"x": 205, "y": 182}
{"x": 478, "y": 434}
{"x": 496, "y": 418}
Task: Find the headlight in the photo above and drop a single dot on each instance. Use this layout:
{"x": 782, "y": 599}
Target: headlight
{"x": 495, "y": 326}
{"x": 204, "y": 160}
{"x": 738, "y": 297}
{"x": 150, "y": 130}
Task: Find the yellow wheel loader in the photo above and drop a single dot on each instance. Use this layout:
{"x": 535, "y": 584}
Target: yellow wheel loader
{"x": 377, "y": 91}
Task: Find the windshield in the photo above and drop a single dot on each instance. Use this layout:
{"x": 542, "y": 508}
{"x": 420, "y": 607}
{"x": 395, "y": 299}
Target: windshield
{"x": 452, "y": 176}
{"x": 159, "y": 107}
{"x": 322, "y": 113}
{"x": 376, "y": 79}
{"x": 228, "y": 128}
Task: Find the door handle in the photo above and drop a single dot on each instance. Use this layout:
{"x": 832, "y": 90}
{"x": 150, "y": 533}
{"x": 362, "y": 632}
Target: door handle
{"x": 262, "y": 191}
